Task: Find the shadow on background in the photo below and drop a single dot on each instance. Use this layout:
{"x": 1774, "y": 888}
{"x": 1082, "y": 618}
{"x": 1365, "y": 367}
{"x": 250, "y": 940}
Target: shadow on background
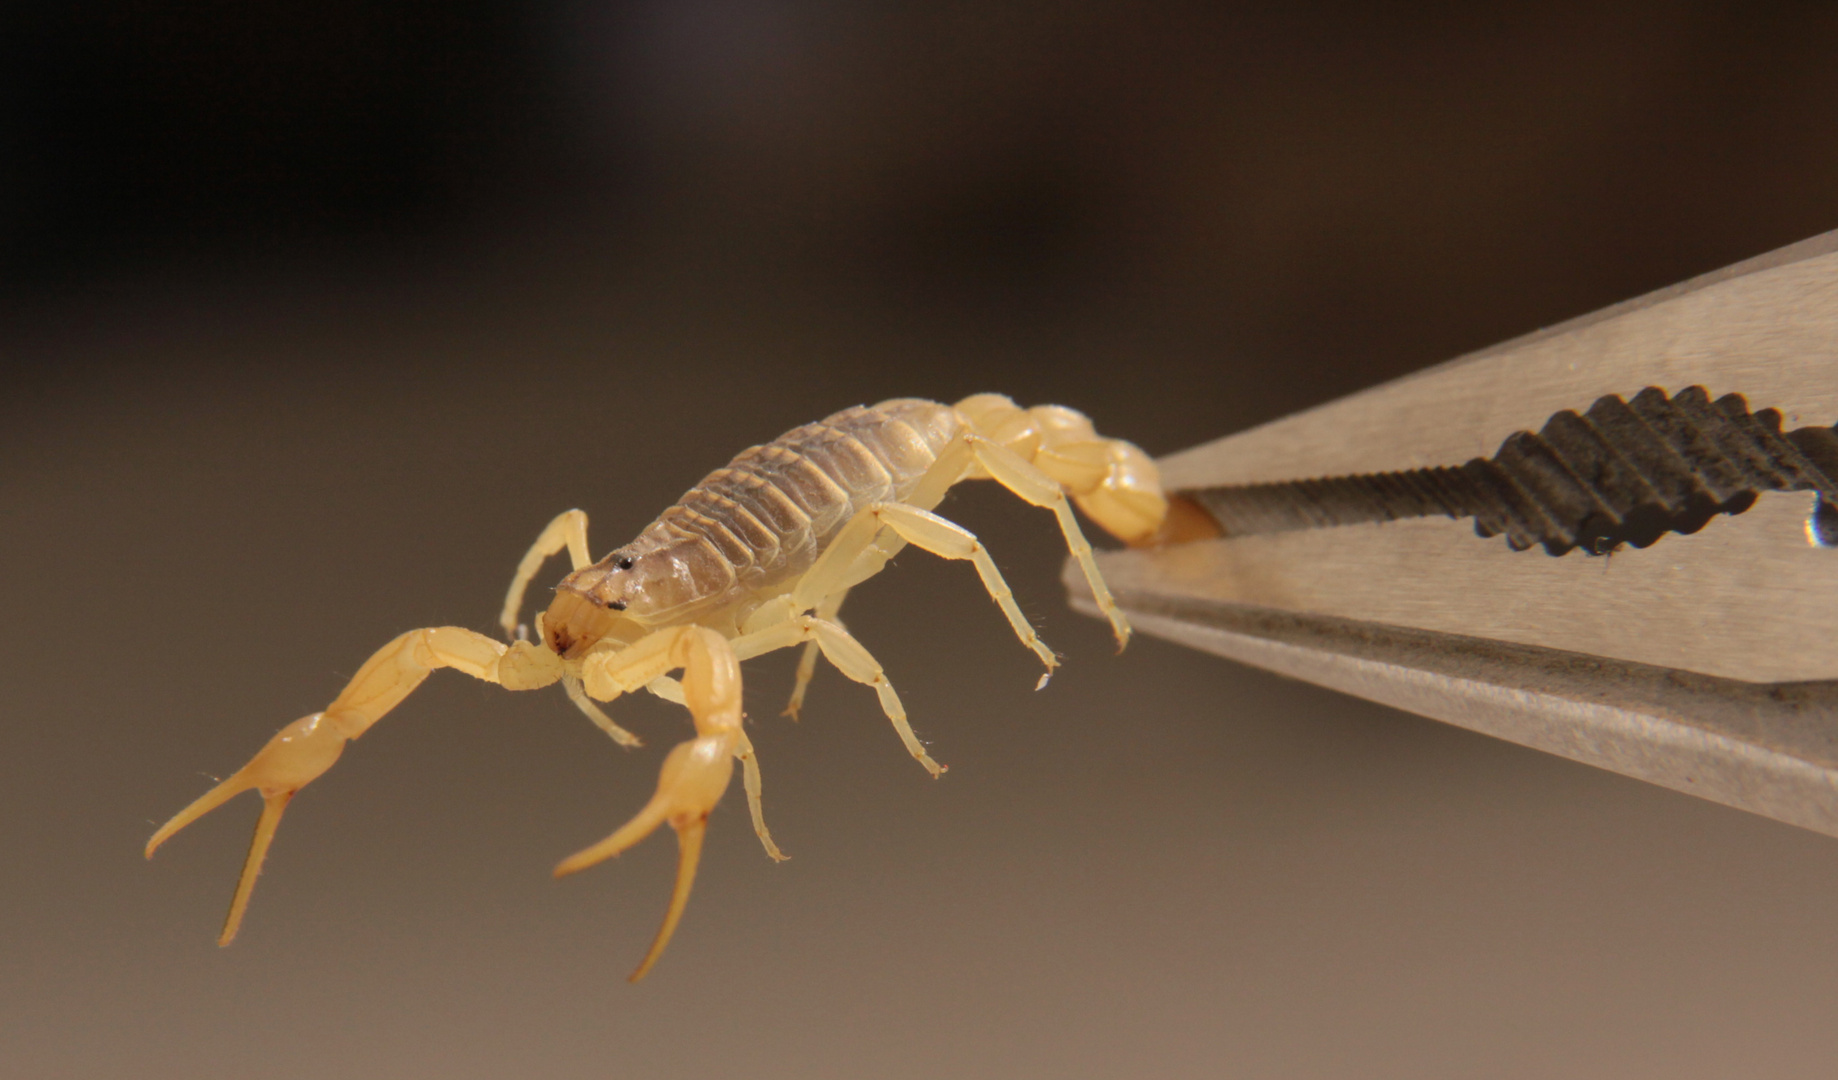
{"x": 315, "y": 313}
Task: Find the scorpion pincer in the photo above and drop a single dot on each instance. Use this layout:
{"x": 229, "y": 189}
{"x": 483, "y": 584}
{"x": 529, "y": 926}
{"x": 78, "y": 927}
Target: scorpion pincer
{"x": 755, "y": 558}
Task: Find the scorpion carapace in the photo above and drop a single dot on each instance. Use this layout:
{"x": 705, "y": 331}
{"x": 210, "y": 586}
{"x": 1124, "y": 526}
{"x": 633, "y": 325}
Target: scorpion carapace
{"x": 755, "y": 558}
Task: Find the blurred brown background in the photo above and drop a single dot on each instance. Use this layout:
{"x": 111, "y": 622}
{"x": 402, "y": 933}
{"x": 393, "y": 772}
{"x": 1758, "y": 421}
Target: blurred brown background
{"x": 315, "y": 312}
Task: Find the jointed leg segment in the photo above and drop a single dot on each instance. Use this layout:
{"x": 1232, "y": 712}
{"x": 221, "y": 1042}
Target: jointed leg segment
{"x": 1050, "y": 454}
{"x": 857, "y": 551}
{"x": 922, "y": 529}
{"x": 578, "y": 694}
{"x": 850, "y": 658}
{"x": 1019, "y": 476}
{"x": 827, "y": 610}
{"x": 569, "y": 529}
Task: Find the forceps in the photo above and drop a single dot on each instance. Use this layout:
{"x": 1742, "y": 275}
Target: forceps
{"x": 1612, "y": 539}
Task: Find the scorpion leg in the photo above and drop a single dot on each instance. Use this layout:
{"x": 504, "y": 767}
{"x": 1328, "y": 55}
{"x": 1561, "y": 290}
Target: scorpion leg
{"x": 696, "y": 773}
{"x": 1125, "y": 499}
{"x": 932, "y": 533}
{"x": 306, "y": 748}
{"x": 807, "y": 661}
{"x": 569, "y": 530}
{"x": 926, "y": 530}
{"x": 1016, "y": 474}
{"x": 578, "y": 694}
{"x": 851, "y": 658}
{"x": 671, "y": 690}
{"x": 750, "y": 779}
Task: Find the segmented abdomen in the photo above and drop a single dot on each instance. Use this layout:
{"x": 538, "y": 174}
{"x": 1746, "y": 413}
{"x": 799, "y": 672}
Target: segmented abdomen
{"x": 773, "y": 509}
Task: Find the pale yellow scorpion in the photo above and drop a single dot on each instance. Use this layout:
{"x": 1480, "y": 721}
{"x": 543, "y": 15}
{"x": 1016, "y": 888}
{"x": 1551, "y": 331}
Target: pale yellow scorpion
{"x": 756, "y": 557}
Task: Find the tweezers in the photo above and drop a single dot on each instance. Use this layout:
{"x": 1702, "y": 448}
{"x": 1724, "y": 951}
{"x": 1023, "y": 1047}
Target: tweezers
{"x": 1612, "y": 539}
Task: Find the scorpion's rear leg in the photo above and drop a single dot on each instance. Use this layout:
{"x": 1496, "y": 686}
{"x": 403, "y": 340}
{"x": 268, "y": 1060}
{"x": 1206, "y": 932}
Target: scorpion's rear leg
{"x": 303, "y": 750}
{"x": 1020, "y": 476}
{"x": 696, "y": 773}
{"x": 850, "y": 657}
{"x": 1049, "y": 452}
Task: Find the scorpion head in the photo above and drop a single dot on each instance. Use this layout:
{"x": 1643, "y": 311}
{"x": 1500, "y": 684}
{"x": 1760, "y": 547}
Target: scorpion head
{"x": 574, "y": 624}
{"x": 618, "y": 598}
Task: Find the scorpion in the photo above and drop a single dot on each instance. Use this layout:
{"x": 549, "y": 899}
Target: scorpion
{"x": 757, "y": 557}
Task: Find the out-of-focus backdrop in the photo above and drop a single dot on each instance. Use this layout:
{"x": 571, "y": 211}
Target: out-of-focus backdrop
{"x": 314, "y": 313}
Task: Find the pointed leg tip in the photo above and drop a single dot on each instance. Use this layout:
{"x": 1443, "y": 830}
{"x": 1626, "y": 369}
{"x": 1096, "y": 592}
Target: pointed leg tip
{"x": 689, "y": 853}
{"x": 586, "y": 857}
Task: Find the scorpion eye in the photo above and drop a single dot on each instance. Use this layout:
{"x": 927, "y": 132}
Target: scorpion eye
{"x": 625, "y": 563}
{"x": 616, "y": 605}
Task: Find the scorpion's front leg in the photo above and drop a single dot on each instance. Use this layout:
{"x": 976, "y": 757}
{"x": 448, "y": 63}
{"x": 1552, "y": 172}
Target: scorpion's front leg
{"x": 696, "y": 773}
{"x": 568, "y": 530}
{"x": 306, "y": 748}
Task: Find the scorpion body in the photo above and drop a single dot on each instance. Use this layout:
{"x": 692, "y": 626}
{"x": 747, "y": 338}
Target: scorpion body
{"x": 748, "y": 529}
{"x": 757, "y": 557}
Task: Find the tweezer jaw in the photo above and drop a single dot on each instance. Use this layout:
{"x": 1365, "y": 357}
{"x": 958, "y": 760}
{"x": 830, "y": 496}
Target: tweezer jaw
{"x": 1771, "y": 749}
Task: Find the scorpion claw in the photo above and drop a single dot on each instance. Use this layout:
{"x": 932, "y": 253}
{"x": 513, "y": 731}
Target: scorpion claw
{"x": 693, "y": 779}
{"x": 204, "y": 804}
{"x": 294, "y": 758}
{"x": 626, "y": 836}
{"x": 272, "y": 807}
{"x": 689, "y": 853}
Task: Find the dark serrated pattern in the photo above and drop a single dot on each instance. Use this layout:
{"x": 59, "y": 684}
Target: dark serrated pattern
{"x": 1625, "y": 472}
